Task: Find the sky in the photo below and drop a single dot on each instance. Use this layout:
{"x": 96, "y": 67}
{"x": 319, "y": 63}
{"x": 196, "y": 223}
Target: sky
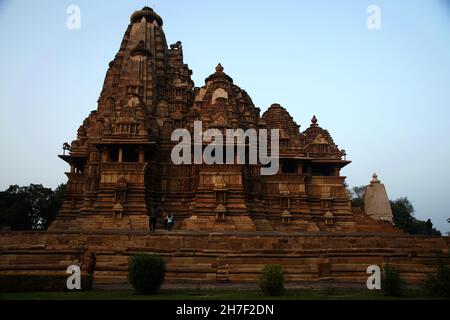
{"x": 383, "y": 94}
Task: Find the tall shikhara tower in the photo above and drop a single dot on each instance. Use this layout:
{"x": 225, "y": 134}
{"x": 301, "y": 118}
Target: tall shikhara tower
{"x": 121, "y": 165}
{"x": 115, "y": 161}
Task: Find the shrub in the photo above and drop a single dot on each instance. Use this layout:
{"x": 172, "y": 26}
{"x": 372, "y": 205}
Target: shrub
{"x": 271, "y": 281}
{"x": 146, "y": 273}
{"x": 438, "y": 284}
{"x": 392, "y": 283}
{"x": 39, "y": 282}
{"x": 329, "y": 291}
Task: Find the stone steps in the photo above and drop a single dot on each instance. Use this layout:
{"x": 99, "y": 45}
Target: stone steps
{"x": 263, "y": 225}
{"x": 364, "y": 223}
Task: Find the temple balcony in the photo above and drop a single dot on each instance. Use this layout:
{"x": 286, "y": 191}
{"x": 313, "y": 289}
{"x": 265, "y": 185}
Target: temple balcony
{"x": 328, "y": 180}
{"x": 75, "y": 183}
{"x": 113, "y": 172}
{"x": 285, "y": 178}
{"x": 323, "y": 191}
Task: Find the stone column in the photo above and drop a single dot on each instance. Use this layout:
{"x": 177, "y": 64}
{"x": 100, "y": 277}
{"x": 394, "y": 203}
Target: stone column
{"x": 141, "y": 155}
{"x": 105, "y": 154}
{"x": 120, "y": 154}
{"x": 337, "y": 171}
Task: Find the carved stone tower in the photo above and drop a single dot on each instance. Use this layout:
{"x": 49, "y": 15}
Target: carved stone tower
{"x": 116, "y": 159}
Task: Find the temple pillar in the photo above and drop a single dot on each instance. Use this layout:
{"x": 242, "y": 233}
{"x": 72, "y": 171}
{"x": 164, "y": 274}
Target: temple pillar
{"x": 141, "y": 155}
{"x": 120, "y": 154}
{"x": 337, "y": 171}
{"x": 105, "y": 154}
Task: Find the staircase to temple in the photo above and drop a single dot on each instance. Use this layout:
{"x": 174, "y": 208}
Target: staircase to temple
{"x": 364, "y": 223}
{"x": 262, "y": 224}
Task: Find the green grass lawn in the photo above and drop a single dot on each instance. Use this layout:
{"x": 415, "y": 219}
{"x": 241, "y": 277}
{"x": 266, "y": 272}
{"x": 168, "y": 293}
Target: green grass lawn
{"x": 210, "y": 295}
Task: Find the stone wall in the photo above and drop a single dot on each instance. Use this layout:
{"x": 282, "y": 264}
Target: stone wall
{"x": 225, "y": 257}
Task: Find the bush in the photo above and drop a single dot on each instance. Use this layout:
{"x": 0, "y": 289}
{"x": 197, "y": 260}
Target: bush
{"x": 392, "y": 283}
{"x": 146, "y": 273}
{"x": 271, "y": 281}
{"x": 439, "y": 284}
{"x": 39, "y": 282}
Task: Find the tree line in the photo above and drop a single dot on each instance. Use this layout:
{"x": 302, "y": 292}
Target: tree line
{"x": 32, "y": 207}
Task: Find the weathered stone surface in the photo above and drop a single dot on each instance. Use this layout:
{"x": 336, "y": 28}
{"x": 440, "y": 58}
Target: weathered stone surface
{"x": 236, "y": 257}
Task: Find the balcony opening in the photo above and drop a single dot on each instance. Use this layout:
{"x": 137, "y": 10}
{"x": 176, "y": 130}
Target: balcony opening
{"x": 130, "y": 154}
{"x": 289, "y": 166}
{"x": 322, "y": 170}
{"x": 114, "y": 153}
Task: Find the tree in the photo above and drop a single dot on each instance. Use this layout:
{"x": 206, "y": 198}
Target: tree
{"x": 403, "y": 212}
{"x": 357, "y": 196}
{"x": 29, "y": 208}
{"x": 49, "y": 215}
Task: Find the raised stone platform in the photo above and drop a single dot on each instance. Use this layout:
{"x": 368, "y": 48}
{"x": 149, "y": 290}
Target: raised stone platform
{"x": 236, "y": 258}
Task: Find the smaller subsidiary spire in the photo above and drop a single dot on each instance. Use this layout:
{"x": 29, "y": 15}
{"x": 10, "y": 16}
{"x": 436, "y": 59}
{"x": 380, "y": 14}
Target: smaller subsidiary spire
{"x": 219, "y": 75}
{"x": 314, "y": 121}
{"x": 219, "y": 68}
{"x": 148, "y": 14}
{"x": 374, "y": 179}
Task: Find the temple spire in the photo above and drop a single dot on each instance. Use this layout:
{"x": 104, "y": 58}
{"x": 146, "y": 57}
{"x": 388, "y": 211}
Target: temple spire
{"x": 314, "y": 121}
{"x": 219, "y": 68}
{"x": 374, "y": 179}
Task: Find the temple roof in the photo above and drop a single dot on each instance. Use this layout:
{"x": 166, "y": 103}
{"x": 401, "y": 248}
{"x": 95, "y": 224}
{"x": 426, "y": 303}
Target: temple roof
{"x": 277, "y": 117}
{"x": 219, "y": 75}
{"x": 148, "y": 13}
{"x": 317, "y": 135}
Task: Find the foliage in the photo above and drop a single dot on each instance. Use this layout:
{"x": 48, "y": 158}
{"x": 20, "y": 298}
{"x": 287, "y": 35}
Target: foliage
{"x": 404, "y": 219}
{"x": 146, "y": 273}
{"x": 30, "y": 208}
{"x": 39, "y": 282}
{"x": 438, "y": 284}
{"x": 357, "y": 196}
{"x": 392, "y": 283}
{"x": 271, "y": 281}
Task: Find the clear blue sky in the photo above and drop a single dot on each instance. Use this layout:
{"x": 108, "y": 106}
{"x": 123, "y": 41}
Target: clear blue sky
{"x": 384, "y": 95}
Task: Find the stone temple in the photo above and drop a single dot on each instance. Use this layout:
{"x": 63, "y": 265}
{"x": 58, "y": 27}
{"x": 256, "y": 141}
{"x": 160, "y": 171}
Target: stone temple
{"x": 230, "y": 219}
{"x": 121, "y": 161}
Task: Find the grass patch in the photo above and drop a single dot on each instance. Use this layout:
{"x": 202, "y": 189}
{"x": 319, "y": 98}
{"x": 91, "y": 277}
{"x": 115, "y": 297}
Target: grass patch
{"x": 213, "y": 295}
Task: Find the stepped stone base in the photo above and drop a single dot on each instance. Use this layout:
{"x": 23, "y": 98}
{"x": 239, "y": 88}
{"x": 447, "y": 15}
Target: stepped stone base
{"x": 226, "y": 257}
{"x": 208, "y": 223}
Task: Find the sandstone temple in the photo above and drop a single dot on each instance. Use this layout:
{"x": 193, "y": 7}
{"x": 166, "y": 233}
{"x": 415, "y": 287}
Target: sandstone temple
{"x": 121, "y": 161}
{"x": 230, "y": 219}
